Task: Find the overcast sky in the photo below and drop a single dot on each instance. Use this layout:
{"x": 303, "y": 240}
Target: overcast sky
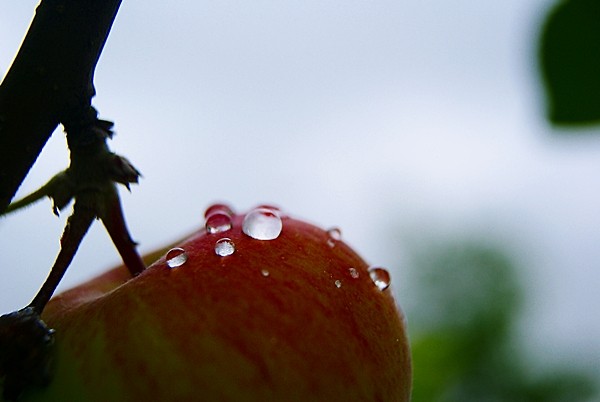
{"x": 394, "y": 120}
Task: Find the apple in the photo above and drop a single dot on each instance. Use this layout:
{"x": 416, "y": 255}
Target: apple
{"x": 253, "y": 307}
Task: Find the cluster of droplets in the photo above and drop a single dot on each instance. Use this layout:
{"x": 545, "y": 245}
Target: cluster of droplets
{"x": 218, "y": 220}
{"x": 379, "y": 276}
{"x": 263, "y": 223}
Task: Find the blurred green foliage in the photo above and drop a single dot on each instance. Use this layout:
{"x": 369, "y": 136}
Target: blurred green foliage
{"x": 465, "y": 302}
{"x": 569, "y": 55}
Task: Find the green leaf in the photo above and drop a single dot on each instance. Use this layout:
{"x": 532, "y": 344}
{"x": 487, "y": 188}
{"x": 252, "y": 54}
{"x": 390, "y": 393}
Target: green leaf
{"x": 570, "y": 62}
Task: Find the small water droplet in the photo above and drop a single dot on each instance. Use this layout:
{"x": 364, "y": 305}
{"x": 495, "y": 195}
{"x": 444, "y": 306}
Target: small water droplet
{"x": 224, "y": 247}
{"x": 265, "y": 272}
{"x": 380, "y": 277}
{"x": 334, "y": 235}
{"x": 353, "y": 272}
{"x": 176, "y": 257}
{"x": 218, "y": 222}
{"x": 262, "y": 224}
{"x": 338, "y": 284}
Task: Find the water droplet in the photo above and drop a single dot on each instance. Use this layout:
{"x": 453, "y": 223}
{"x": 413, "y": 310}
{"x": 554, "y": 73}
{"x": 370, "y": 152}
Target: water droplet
{"x": 264, "y": 272}
{"x": 224, "y": 247}
{"x": 380, "y": 277}
{"x": 222, "y": 208}
{"x": 353, "y": 272}
{"x": 218, "y": 222}
{"x": 334, "y": 235}
{"x": 338, "y": 284}
{"x": 262, "y": 224}
{"x": 176, "y": 257}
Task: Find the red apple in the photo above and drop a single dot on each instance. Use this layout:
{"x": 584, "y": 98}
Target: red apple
{"x": 294, "y": 318}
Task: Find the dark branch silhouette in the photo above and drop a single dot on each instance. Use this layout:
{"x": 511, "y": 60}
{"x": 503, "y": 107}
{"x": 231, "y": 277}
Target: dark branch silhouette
{"x": 50, "y": 81}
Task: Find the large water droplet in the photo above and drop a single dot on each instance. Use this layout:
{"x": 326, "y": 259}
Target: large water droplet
{"x": 222, "y": 208}
{"x": 176, "y": 257}
{"x": 262, "y": 224}
{"x": 380, "y": 277}
{"x": 338, "y": 284}
{"x": 218, "y": 222}
{"x": 353, "y": 273}
{"x": 224, "y": 247}
{"x": 264, "y": 272}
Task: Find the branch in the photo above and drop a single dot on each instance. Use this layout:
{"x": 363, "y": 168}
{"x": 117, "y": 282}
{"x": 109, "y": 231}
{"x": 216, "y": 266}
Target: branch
{"x": 50, "y": 80}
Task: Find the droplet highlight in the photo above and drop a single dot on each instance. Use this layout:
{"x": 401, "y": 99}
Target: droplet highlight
{"x": 338, "y": 284}
{"x": 353, "y": 273}
{"x": 221, "y": 208}
{"x": 380, "y": 277}
{"x": 262, "y": 224}
{"x": 176, "y": 257}
{"x": 224, "y": 247}
{"x": 335, "y": 233}
{"x": 218, "y": 222}
{"x": 268, "y": 206}
{"x": 265, "y": 272}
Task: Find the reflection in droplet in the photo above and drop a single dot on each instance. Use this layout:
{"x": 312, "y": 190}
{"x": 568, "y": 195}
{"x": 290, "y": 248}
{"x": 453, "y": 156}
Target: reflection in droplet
{"x": 338, "y": 284}
{"x": 262, "y": 224}
{"x": 264, "y": 272}
{"x": 380, "y": 277}
{"x": 268, "y": 206}
{"x": 224, "y": 247}
{"x": 218, "y": 222}
{"x": 353, "y": 272}
{"x": 222, "y": 208}
{"x": 176, "y": 257}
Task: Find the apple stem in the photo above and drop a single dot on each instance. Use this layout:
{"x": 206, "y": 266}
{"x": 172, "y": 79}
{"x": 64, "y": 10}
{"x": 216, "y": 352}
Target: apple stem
{"x": 115, "y": 225}
{"x": 76, "y": 228}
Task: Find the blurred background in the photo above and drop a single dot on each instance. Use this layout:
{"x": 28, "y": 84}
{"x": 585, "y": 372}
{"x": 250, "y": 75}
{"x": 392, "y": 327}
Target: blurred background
{"x": 418, "y": 128}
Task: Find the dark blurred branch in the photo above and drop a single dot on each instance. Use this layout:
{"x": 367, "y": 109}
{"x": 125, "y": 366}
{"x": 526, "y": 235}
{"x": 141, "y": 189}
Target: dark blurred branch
{"x": 49, "y": 82}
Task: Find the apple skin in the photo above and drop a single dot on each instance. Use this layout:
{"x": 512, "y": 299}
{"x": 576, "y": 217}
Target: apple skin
{"x": 217, "y": 329}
